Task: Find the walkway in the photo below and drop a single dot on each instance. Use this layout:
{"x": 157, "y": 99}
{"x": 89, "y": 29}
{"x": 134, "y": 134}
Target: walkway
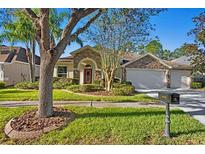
{"x": 98, "y": 104}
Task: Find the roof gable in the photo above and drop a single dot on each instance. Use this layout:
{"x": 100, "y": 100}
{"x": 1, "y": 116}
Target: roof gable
{"x": 87, "y": 47}
{"x": 147, "y": 61}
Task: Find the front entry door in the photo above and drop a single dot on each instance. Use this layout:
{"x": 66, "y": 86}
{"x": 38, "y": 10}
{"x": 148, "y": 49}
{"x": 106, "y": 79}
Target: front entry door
{"x": 87, "y": 76}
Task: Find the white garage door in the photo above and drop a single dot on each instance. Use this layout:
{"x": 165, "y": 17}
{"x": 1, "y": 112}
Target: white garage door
{"x": 180, "y": 79}
{"x": 146, "y": 79}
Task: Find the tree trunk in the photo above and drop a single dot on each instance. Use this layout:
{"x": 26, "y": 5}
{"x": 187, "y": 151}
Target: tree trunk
{"x": 109, "y": 85}
{"x": 33, "y": 59}
{"x": 108, "y": 81}
{"x": 30, "y": 63}
{"x": 45, "y": 107}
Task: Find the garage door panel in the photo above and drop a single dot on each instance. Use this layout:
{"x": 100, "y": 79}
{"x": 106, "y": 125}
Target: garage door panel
{"x": 180, "y": 79}
{"x": 146, "y": 79}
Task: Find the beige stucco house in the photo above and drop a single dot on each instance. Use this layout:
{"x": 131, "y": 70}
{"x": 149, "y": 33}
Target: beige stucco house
{"x": 14, "y": 66}
{"x": 144, "y": 71}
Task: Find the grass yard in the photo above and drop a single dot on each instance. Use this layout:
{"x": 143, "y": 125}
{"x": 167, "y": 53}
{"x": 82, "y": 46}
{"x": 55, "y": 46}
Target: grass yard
{"x": 115, "y": 126}
{"x": 60, "y": 95}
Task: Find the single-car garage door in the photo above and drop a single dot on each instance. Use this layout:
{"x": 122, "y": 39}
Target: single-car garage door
{"x": 146, "y": 79}
{"x": 180, "y": 79}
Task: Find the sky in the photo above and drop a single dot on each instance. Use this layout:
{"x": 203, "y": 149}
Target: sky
{"x": 171, "y": 27}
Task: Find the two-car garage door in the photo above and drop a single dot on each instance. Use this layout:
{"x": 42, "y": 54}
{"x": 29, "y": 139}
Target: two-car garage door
{"x": 146, "y": 79}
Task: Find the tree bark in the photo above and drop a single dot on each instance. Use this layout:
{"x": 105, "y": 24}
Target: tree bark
{"x": 33, "y": 59}
{"x": 50, "y": 52}
{"x": 45, "y": 106}
{"x": 29, "y": 56}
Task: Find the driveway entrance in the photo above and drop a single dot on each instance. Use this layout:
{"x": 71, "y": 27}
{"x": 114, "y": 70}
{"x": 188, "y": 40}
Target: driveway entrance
{"x": 191, "y": 102}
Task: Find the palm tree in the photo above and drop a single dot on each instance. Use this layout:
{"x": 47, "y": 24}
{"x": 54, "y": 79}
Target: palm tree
{"x": 21, "y": 30}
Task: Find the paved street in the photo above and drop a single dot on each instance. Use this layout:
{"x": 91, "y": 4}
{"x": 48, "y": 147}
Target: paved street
{"x": 192, "y": 102}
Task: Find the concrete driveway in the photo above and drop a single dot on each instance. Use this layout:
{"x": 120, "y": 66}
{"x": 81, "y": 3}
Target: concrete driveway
{"x": 191, "y": 101}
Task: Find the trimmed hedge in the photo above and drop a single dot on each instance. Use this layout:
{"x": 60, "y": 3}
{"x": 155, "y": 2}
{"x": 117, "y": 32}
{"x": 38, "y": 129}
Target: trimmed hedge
{"x": 123, "y": 90}
{"x": 58, "y": 83}
{"x": 74, "y": 88}
{"x": 70, "y": 80}
{"x": 196, "y": 85}
{"x": 2, "y": 84}
{"x": 127, "y": 82}
{"x": 61, "y": 83}
{"x": 27, "y": 85}
{"x": 97, "y": 82}
{"x": 84, "y": 88}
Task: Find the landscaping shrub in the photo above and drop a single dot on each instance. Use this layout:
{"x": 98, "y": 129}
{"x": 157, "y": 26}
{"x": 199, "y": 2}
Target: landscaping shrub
{"x": 60, "y": 79}
{"x": 102, "y": 82}
{"x": 123, "y": 90}
{"x": 196, "y": 85}
{"x": 27, "y": 85}
{"x": 61, "y": 83}
{"x": 84, "y": 88}
{"x": 74, "y": 88}
{"x": 58, "y": 83}
{"x": 97, "y": 82}
{"x": 116, "y": 80}
{"x": 75, "y": 81}
{"x": 90, "y": 88}
{"x": 118, "y": 85}
{"x": 127, "y": 82}
{"x": 2, "y": 84}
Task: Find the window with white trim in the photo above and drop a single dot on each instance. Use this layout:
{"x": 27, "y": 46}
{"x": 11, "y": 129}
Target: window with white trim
{"x": 62, "y": 71}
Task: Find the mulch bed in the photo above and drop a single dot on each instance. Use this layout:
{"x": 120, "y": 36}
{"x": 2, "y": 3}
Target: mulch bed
{"x": 30, "y": 122}
{"x": 99, "y": 93}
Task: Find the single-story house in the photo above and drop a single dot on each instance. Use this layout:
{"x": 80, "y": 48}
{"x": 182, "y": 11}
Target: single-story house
{"x": 14, "y": 66}
{"x": 144, "y": 71}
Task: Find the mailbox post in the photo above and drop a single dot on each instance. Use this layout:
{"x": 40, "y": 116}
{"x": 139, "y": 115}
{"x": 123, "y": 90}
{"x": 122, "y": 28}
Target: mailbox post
{"x": 168, "y": 98}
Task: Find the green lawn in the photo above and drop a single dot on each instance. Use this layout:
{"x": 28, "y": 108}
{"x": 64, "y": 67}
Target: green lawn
{"x": 115, "y": 126}
{"x": 60, "y": 95}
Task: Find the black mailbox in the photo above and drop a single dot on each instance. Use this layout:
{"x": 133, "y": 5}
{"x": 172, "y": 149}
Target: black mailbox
{"x": 168, "y": 97}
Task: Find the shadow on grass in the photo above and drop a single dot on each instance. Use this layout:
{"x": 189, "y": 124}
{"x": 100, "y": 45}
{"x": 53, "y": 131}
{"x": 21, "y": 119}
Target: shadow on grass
{"x": 127, "y": 114}
{"x": 14, "y": 91}
{"x": 176, "y": 134}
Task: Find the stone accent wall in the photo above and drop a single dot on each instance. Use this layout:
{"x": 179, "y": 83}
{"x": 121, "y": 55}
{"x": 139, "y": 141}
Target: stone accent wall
{"x": 147, "y": 62}
{"x": 76, "y": 74}
{"x": 87, "y": 54}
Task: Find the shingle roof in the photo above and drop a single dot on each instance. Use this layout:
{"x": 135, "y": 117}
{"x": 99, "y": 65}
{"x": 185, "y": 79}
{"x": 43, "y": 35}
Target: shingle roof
{"x": 182, "y": 60}
{"x": 176, "y": 65}
{"x": 168, "y": 64}
{"x": 130, "y": 56}
{"x": 11, "y": 54}
{"x": 65, "y": 59}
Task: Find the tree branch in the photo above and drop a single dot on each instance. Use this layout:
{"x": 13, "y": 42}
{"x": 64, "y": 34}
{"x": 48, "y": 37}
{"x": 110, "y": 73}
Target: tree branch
{"x": 75, "y": 18}
{"x": 45, "y": 31}
{"x": 82, "y": 29}
{"x": 31, "y": 14}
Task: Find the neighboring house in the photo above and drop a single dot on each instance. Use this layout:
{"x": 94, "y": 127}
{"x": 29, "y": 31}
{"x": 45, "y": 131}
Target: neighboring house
{"x": 14, "y": 66}
{"x": 144, "y": 71}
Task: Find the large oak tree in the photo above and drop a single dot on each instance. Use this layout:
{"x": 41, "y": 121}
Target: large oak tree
{"x": 50, "y": 50}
